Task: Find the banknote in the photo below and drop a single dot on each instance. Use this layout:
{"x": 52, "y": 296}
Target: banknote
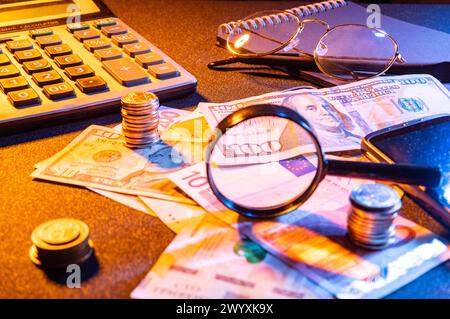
{"x": 209, "y": 259}
{"x": 98, "y": 158}
{"x": 174, "y": 215}
{"x": 342, "y": 115}
{"x": 313, "y": 239}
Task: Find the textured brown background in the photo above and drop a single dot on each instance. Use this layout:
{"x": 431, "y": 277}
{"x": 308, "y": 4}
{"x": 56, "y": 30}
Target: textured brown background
{"x": 128, "y": 242}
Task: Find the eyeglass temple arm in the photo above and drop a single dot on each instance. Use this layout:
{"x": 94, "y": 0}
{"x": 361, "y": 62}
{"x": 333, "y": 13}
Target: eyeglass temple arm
{"x": 398, "y": 173}
{"x": 305, "y": 63}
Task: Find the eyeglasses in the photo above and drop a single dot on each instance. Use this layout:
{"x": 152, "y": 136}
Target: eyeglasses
{"x": 278, "y": 38}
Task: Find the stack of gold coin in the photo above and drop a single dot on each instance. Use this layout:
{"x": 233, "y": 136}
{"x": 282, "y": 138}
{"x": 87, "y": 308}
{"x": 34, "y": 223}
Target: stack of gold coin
{"x": 61, "y": 242}
{"x": 370, "y": 222}
{"x": 140, "y": 119}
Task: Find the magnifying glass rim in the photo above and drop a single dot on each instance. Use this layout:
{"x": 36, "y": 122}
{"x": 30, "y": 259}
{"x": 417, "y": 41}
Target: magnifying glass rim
{"x": 256, "y": 111}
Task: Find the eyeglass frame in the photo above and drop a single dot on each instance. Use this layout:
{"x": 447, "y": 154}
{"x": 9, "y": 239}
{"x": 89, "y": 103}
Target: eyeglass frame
{"x": 396, "y": 57}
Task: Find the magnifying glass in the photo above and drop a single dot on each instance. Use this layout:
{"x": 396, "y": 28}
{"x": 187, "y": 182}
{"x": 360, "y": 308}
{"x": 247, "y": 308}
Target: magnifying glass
{"x": 265, "y": 160}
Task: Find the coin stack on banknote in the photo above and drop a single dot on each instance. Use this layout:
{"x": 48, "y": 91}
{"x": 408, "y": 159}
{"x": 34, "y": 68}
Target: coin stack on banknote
{"x": 370, "y": 222}
{"x": 61, "y": 242}
{"x": 140, "y": 119}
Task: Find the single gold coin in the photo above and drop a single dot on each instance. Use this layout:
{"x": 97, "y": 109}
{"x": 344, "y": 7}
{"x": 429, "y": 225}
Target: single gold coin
{"x": 138, "y": 98}
{"x": 69, "y": 240}
{"x": 59, "y": 231}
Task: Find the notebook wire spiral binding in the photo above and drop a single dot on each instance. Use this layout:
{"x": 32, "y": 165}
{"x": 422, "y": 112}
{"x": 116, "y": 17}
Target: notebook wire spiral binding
{"x": 263, "y": 21}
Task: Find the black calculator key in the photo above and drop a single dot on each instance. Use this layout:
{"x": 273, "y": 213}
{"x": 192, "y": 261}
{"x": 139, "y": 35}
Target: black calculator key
{"x": 80, "y": 71}
{"x": 48, "y": 40}
{"x": 9, "y": 71}
{"x": 163, "y": 71}
{"x": 4, "y": 60}
{"x": 122, "y": 39}
{"x": 91, "y": 84}
{"x": 37, "y": 66}
{"x": 86, "y": 35}
{"x": 104, "y": 23}
{"x": 145, "y": 60}
{"x": 136, "y": 49}
{"x": 97, "y": 44}
{"x": 40, "y": 32}
{"x": 66, "y": 61}
{"x": 59, "y": 91}
{"x": 114, "y": 30}
{"x": 13, "y": 84}
{"x": 19, "y": 45}
{"x": 108, "y": 54}
{"x": 47, "y": 78}
{"x": 57, "y": 50}
{"x": 27, "y": 55}
{"x": 24, "y": 97}
{"x": 126, "y": 72}
{"x": 72, "y": 27}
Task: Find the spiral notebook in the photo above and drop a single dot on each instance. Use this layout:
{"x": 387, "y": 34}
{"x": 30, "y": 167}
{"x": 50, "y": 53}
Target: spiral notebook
{"x": 417, "y": 44}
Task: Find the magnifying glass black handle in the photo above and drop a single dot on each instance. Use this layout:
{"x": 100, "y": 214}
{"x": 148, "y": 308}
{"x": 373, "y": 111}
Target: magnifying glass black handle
{"x": 397, "y": 173}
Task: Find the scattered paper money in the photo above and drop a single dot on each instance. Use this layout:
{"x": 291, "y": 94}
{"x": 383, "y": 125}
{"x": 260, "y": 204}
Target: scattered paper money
{"x": 209, "y": 259}
{"x": 313, "y": 239}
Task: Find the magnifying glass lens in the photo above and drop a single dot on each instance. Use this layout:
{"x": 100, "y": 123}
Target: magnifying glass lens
{"x": 263, "y": 163}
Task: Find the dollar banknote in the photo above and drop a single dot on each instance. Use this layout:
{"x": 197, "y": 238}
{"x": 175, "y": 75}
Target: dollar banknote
{"x": 313, "y": 239}
{"x": 209, "y": 259}
{"x": 98, "y": 158}
{"x": 341, "y": 116}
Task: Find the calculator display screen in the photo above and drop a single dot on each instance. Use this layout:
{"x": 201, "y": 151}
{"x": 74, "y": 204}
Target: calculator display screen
{"x": 15, "y": 12}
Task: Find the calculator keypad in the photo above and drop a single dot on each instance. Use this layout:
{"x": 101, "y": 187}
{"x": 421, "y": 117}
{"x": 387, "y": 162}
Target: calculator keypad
{"x": 127, "y": 59}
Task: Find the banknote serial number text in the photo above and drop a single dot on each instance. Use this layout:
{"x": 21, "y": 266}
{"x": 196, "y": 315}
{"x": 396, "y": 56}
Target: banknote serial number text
{"x": 226, "y": 308}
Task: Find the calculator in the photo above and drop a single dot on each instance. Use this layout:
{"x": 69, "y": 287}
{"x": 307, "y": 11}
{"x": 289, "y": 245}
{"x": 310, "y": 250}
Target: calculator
{"x": 62, "y": 60}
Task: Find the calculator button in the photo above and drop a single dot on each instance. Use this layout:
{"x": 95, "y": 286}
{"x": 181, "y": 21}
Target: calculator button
{"x": 86, "y": 35}
{"x": 19, "y": 45}
{"x": 97, "y": 44}
{"x": 91, "y": 84}
{"x": 114, "y": 30}
{"x": 47, "y": 78}
{"x": 37, "y": 66}
{"x": 163, "y": 71}
{"x": 48, "y": 40}
{"x": 24, "y": 97}
{"x": 145, "y": 60}
{"x": 27, "y": 55}
{"x": 72, "y": 27}
{"x": 59, "y": 91}
{"x": 13, "y": 84}
{"x": 126, "y": 72}
{"x": 4, "y": 60}
{"x": 123, "y": 39}
{"x": 40, "y": 32}
{"x": 136, "y": 49}
{"x": 66, "y": 61}
{"x": 80, "y": 71}
{"x": 8, "y": 71}
{"x": 104, "y": 23}
{"x": 57, "y": 50}
{"x": 108, "y": 54}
